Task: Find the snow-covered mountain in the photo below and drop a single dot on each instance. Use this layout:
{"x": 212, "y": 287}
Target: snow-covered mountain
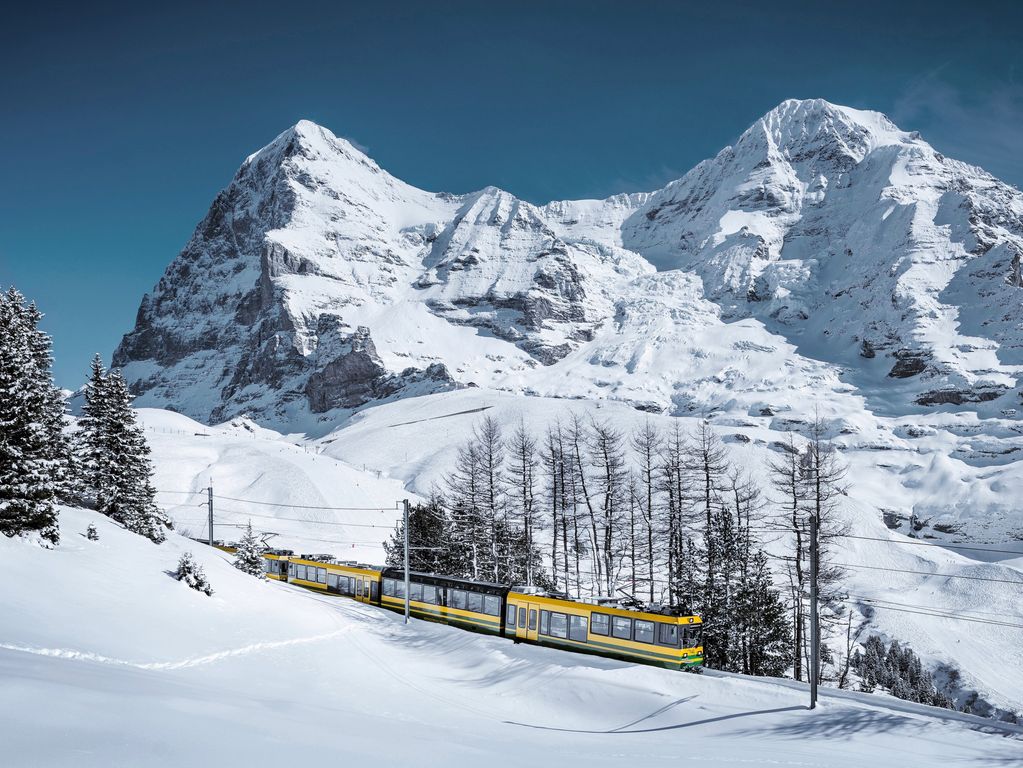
{"x": 318, "y": 281}
{"x": 827, "y": 262}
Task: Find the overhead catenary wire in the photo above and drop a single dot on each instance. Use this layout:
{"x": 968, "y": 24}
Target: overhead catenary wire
{"x": 790, "y": 559}
{"x": 933, "y": 612}
{"x": 784, "y": 530}
{"x": 282, "y": 504}
{"x": 910, "y": 542}
{"x": 311, "y": 522}
{"x": 1018, "y": 583}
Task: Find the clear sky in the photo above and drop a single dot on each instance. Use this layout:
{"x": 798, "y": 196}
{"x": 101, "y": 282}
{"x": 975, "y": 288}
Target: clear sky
{"x": 119, "y": 124}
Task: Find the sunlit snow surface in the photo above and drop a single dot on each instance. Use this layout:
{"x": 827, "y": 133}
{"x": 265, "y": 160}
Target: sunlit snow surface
{"x": 414, "y": 441}
{"x": 114, "y": 663}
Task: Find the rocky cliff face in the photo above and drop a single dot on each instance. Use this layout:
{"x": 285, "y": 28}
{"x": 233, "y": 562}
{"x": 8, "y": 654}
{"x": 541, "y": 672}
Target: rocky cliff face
{"x": 826, "y": 248}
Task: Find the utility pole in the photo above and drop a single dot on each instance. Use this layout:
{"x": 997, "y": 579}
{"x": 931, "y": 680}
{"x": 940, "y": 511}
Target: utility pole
{"x": 209, "y": 502}
{"x": 815, "y": 627}
{"x": 407, "y": 585}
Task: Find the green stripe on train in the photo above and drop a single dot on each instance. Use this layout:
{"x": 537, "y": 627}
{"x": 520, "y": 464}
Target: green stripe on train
{"x": 628, "y": 654}
{"x": 488, "y": 625}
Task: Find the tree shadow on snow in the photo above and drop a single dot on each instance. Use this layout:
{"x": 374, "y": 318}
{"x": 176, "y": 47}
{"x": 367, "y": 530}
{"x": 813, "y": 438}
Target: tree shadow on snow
{"x": 837, "y": 725}
{"x": 630, "y": 727}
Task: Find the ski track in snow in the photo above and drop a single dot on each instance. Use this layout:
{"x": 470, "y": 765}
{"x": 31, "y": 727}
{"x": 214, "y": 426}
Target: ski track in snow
{"x": 211, "y": 658}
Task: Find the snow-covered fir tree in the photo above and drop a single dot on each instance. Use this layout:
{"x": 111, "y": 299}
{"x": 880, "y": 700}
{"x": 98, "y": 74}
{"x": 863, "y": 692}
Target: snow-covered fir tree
{"x": 31, "y": 424}
{"x": 899, "y": 671}
{"x": 115, "y": 469}
{"x": 193, "y": 574}
{"x": 94, "y": 466}
{"x": 91, "y": 533}
{"x": 248, "y": 557}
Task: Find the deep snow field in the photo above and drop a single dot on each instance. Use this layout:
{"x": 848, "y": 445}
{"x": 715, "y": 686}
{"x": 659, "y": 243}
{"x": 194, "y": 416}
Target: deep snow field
{"x": 411, "y": 444}
{"x": 110, "y": 662}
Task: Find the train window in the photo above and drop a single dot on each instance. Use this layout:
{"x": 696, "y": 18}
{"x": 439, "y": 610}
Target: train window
{"x": 577, "y": 628}
{"x": 667, "y": 634}
{"x": 621, "y": 627}
{"x": 430, "y": 594}
{"x": 475, "y": 602}
{"x": 522, "y": 618}
{"x": 693, "y": 637}
{"x": 415, "y": 592}
{"x": 600, "y": 624}
{"x": 388, "y": 587}
{"x": 332, "y": 580}
{"x": 365, "y": 588}
{"x": 399, "y": 588}
{"x": 321, "y": 575}
{"x": 375, "y": 593}
{"x": 559, "y": 625}
{"x": 457, "y": 599}
{"x": 644, "y": 631}
{"x": 300, "y": 572}
{"x": 492, "y": 605}
{"x": 509, "y": 615}
{"x": 266, "y": 566}
{"x": 532, "y": 619}
{"x": 545, "y": 622}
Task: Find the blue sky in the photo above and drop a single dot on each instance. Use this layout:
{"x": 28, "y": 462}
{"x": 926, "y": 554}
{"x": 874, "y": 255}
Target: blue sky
{"x": 121, "y": 123}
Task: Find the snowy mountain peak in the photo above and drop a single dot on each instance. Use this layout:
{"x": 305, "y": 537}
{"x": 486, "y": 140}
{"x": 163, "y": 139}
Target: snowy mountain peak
{"x": 320, "y": 282}
{"x": 308, "y": 140}
{"x": 796, "y": 122}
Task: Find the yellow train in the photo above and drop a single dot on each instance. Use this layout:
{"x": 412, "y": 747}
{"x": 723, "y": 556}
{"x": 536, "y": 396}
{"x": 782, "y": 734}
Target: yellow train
{"x": 661, "y": 639}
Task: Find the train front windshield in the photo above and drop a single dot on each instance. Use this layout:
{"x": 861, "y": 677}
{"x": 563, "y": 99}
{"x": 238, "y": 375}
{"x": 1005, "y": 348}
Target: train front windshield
{"x": 693, "y": 637}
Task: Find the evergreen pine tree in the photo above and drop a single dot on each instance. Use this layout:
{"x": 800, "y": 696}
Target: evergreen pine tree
{"x": 91, "y": 533}
{"x": 115, "y": 470}
{"x": 58, "y": 447}
{"x": 248, "y": 557}
{"x": 27, "y": 489}
{"x": 94, "y": 466}
{"x": 430, "y": 541}
{"x": 764, "y": 616}
{"x": 193, "y": 574}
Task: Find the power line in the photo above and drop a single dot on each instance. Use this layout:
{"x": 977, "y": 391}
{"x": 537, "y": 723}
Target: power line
{"x": 312, "y": 522}
{"x": 970, "y": 613}
{"x": 911, "y": 542}
{"x": 929, "y": 544}
{"x": 305, "y": 506}
{"x": 283, "y": 505}
{"x": 929, "y": 573}
{"x": 936, "y": 613}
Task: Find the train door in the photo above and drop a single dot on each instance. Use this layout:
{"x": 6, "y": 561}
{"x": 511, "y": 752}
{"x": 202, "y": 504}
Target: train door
{"x": 533, "y": 622}
{"x": 358, "y": 590}
{"x": 528, "y": 620}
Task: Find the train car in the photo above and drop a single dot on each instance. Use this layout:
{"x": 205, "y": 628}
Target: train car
{"x": 358, "y": 582}
{"x": 651, "y": 638}
{"x": 661, "y": 639}
{"x": 474, "y": 605}
{"x": 275, "y": 566}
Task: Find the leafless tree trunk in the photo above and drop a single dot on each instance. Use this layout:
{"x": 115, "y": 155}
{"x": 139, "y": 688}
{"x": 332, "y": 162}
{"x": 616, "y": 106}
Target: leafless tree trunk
{"x": 647, "y": 442}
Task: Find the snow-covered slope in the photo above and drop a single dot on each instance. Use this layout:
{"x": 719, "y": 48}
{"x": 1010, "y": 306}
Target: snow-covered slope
{"x": 110, "y": 662}
{"x": 329, "y": 505}
{"x": 340, "y": 495}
